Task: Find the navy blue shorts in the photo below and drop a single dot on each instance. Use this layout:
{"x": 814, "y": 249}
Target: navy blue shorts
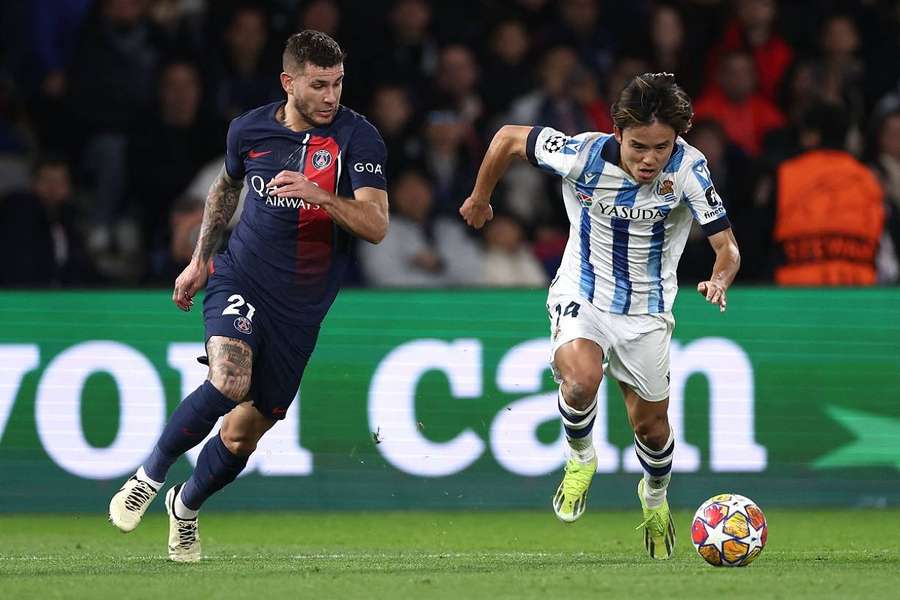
{"x": 280, "y": 350}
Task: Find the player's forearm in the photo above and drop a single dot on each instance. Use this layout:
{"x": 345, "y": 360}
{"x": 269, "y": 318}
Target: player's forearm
{"x": 221, "y": 202}
{"x": 366, "y": 219}
{"x": 507, "y": 144}
{"x": 728, "y": 261}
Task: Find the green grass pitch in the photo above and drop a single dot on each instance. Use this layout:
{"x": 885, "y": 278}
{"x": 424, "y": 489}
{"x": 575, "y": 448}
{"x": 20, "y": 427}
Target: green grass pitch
{"x": 460, "y": 555}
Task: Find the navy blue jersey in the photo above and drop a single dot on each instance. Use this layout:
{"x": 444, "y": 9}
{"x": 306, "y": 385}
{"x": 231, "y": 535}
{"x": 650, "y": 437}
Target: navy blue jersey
{"x": 288, "y": 249}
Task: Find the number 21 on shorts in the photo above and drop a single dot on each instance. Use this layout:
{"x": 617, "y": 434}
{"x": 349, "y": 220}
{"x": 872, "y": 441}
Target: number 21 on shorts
{"x": 241, "y": 323}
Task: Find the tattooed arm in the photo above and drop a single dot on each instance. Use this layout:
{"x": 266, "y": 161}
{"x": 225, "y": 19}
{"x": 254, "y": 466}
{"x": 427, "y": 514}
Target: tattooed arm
{"x": 221, "y": 202}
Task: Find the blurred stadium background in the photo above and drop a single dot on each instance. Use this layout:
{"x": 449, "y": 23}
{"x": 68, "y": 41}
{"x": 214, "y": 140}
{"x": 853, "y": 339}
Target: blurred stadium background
{"x": 435, "y": 394}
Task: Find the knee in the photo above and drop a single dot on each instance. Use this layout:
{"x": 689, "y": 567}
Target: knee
{"x": 652, "y": 431}
{"x": 238, "y": 443}
{"x": 231, "y": 379}
{"x": 581, "y": 389}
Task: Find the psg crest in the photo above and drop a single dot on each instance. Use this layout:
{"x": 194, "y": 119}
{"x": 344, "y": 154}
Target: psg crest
{"x": 243, "y": 325}
{"x": 321, "y": 159}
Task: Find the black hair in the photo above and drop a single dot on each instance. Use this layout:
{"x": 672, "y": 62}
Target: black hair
{"x": 830, "y": 121}
{"x": 653, "y": 97}
{"x": 310, "y": 46}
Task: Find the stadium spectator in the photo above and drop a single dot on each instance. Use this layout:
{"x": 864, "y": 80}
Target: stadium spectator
{"x": 112, "y": 85}
{"x": 724, "y": 161}
{"x": 392, "y": 113}
{"x": 826, "y": 230}
{"x": 54, "y": 33}
{"x": 525, "y": 191}
{"x": 39, "y": 231}
{"x": 422, "y": 250}
{"x": 241, "y": 71}
{"x": 753, "y": 31}
{"x": 320, "y": 15}
{"x": 553, "y": 102}
{"x": 578, "y": 25}
{"x": 450, "y": 148}
{"x": 410, "y": 52}
{"x": 79, "y": 78}
{"x": 508, "y": 72}
{"x": 17, "y": 138}
{"x": 586, "y": 91}
{"x": 745, "y": 114}
{"x": 508, "y": 262}
{"x": 168, "y": 149}
{"x": 185, "y": 219}
{"x": 886, "y": 164}
{"x": 456, "y": 84}
{"x": 666, "y": 48}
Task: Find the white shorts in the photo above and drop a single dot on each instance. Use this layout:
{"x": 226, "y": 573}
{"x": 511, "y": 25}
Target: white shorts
{"x": 635, "y": 346}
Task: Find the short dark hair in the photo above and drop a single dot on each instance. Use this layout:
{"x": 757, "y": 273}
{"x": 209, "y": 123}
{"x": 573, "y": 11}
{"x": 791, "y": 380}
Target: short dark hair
{"x": 311, "y": 46}
{"x": 830, "y": 121}
{"x": 653, "y": 97}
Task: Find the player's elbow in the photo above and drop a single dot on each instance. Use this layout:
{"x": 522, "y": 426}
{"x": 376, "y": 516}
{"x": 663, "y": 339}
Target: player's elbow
{"x": 512, "y": 139}
{"x": 378, "y": 234}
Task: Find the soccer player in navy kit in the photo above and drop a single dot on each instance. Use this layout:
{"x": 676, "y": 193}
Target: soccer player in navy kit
{"x": 316, "y": 173}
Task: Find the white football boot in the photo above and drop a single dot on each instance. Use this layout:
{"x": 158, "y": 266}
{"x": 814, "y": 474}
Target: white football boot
{"x": 129, "y": 504}
{"x": 184, "y": 534}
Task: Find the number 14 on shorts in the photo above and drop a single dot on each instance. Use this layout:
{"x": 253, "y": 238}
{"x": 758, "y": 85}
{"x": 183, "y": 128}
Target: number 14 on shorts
{"x": 571, "y": 310}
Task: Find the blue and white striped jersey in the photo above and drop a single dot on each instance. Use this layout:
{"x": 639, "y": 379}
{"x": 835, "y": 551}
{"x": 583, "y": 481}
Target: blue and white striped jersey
{"x": 625, "y": 238}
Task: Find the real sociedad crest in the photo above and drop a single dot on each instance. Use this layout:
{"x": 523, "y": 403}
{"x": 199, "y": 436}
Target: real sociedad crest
{"x": 321, "y": 159}
{"x": 666, "y": 189}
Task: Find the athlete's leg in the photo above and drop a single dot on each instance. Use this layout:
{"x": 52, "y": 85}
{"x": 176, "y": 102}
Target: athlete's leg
{"x": 223, "y": 457}
{"x": 230, "y": 369}
{"x": 579, "y": 367}
{"x": 654, "y": 445}
{"x": 653, "y": 442}
{"x": 276, "y": 377}
{"x": 220, "y": 462}
{"x": 228, "y": 382}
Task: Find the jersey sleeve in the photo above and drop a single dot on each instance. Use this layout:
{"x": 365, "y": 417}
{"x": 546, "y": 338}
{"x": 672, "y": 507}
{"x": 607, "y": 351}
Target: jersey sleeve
{"x": 366, "y": 158}
{"x": 556, "y": 152}
{"x": 234, "y": 162}
{"x": 701, "y": 197}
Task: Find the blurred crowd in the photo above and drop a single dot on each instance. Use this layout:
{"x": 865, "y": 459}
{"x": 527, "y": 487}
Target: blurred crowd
{"x": 113, "y": 116}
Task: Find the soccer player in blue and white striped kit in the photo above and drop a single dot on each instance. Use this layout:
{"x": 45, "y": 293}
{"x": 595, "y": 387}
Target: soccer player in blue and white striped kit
{"x": 630, "y": 197}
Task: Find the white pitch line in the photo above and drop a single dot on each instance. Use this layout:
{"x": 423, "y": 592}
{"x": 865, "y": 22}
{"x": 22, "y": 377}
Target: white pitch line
{"x": 332, "y": 556}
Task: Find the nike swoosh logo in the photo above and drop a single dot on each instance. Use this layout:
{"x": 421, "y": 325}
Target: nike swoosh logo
{"x": 255, "y": 154}
{"x": 589, "y": 177}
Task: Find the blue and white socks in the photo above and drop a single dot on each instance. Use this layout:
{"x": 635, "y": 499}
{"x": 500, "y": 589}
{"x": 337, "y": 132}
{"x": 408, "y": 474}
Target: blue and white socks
{"x": 657, "y": 469}
{"x": 578, "y": 425}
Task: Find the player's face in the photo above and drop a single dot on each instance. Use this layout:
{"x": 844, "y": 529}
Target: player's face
{"x": 315, "y": 92}
{"x": 645, "y": 149}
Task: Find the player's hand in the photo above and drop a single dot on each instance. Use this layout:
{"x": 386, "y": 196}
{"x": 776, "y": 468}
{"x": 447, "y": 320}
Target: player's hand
{"x": 293, "y": 184}
{"x": 188, "y": 283}
{"x": 714, "y": 293}
{"x": 476, "y": 212}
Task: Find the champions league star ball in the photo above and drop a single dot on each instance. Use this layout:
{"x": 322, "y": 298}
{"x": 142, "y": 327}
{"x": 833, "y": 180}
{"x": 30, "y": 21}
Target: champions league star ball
{"x": 729, "y": 531}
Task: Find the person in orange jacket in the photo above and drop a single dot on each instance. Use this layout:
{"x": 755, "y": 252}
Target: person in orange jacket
{"x": 829, "y": 214}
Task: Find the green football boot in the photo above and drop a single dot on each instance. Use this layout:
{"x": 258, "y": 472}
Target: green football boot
{"x": 571, "y": 496}
{"x": 659, "y": 531}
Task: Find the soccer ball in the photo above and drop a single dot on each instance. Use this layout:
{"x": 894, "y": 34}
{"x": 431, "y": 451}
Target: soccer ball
{"x": 729, "y": 531}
